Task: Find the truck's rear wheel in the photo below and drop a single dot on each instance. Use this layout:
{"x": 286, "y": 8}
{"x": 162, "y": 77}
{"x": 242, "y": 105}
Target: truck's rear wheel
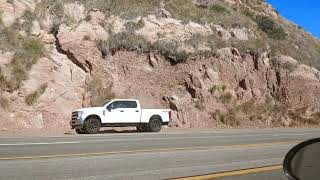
{"x": 92, "y": 126}
{"x": 155, "y": 125}
{"x": 80, "y": 131}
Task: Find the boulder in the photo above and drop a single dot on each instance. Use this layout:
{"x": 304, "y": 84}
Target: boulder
{"x": 35, "y": 29}
{"x": 239, "y": 33}
{"x": 96, "y": 16}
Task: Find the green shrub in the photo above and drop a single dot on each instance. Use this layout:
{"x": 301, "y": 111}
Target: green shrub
{"x": 230, "y": 119}
{"x": 170, "y": 51}
{"x": 34, "y": 96}
{"x": 128, "y": 9}
{"x": 28, "y": 17}
{"x": 270, "y": 27}
{"x": 128, "y": 41}
{"x": 186, "y": 11}
{"x": 290, "y": 66}
{"x": 215, "y": 88}
{"x": 218, "y": 8}
{"x": 226, "y": 98}
{"x": 133, "y": 26}
{"x": 23, "y": 59}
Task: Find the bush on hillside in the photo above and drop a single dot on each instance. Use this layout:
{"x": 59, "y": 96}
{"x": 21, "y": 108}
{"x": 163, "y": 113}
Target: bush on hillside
{"x": 34, "y": 96}
{"x": 26, "y": 53}
{"x": 270, "y": 27}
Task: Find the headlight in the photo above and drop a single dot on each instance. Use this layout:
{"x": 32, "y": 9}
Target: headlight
{"x": 80, "y": 113}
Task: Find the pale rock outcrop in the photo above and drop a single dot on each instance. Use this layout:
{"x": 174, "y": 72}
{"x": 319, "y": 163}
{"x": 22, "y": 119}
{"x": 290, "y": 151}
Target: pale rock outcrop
{"x": 85, "y": 29}
{"x": 201, "y": 3}
{"x": 223, "y": 33}
{"x": 242, "y": 33}
{"x": 96, "y": 16}
{"x": 172, "y": 28}
{"x": 115, "y": 24}
{"x": 64, "y": 93}
{"x": 35, "y": 29}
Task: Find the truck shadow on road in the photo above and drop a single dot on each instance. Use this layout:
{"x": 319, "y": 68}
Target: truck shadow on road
{"x": 109, "y": 131}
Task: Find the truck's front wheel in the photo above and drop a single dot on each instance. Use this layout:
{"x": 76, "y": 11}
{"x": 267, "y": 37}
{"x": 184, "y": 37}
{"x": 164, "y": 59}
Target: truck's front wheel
{"x": 92, "y": 126}
{"x": 80, "y": 131}
{"x": 155, "y": 125}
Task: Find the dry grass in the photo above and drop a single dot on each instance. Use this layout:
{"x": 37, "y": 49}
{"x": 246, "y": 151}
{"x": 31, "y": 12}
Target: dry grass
{"x": 34, "y": 96}
{"x": 100, "y": 93}
{"x": 132, "y": 26}
{"x": 290, "y": 66}
{"x": 272, "y": 28}
{"x": 27, "y": 52}
{"x": 4, "y": 102}
{"x": 25, "y": 22}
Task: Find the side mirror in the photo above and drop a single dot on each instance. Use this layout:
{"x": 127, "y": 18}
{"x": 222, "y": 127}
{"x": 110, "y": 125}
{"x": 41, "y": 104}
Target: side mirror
{"x": 302, "y": 162}
{"x": 110, "y": 107}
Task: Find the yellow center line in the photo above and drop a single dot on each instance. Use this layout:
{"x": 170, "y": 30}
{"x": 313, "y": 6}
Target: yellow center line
{"x": 150, "y": 150}
{"x": 233, "y": 173}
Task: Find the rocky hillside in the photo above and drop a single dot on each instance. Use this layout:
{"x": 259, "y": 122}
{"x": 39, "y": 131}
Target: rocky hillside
{"x": 215, "y": 63}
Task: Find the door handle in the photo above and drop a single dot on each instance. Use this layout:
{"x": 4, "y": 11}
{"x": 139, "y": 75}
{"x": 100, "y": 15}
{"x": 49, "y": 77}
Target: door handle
{"x": 137, "y": 111}
{"x": 122, "y": 111}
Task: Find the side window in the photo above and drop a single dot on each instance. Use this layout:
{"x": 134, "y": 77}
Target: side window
{"x": 124, "y": 104}
{"x": 130, "y": 104}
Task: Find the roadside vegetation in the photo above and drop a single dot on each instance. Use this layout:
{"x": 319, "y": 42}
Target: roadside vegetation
{"x": 27, "y": 51}
{"x": 32, "y": 98}
{"x": 271, "y": 114}
{"x": 100, "y": 92}
{"x": 4, "y": 102}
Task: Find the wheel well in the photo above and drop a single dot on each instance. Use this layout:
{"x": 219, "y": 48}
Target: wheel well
{"x": 93, "y": 116}
{"x": 156, "y": 117}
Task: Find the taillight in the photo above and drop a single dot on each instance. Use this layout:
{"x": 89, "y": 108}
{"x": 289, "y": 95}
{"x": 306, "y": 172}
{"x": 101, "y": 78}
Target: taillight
{"x": 170, "y": 115}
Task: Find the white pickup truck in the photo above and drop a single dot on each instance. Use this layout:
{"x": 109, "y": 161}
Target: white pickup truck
{"x": 119, "y": 113}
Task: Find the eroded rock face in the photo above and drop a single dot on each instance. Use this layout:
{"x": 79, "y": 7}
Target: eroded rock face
{"x": 196, "y": 90}
{"x": 63, "y": 94}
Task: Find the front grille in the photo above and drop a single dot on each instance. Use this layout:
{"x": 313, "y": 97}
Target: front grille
{"x": 74, "y": 115}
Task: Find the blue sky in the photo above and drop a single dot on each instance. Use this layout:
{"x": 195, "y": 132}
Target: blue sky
{"x": 305, "y": 13}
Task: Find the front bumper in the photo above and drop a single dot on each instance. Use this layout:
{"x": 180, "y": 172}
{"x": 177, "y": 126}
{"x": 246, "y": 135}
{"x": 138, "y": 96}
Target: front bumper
{"x": 75, "y": 121}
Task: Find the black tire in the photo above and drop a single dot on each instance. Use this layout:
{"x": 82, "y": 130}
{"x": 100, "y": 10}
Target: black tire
{"x": 155, "y": 125}
{"x": 142, "y": 128}
{"x": 80, "y": 131}
{"x": 92, "y": 126}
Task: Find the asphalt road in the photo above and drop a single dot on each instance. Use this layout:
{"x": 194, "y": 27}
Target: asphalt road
{"x": 147, "y": 155}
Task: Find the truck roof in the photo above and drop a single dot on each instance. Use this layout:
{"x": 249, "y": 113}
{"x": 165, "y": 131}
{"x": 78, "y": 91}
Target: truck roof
{"x": 123, "y": 100}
